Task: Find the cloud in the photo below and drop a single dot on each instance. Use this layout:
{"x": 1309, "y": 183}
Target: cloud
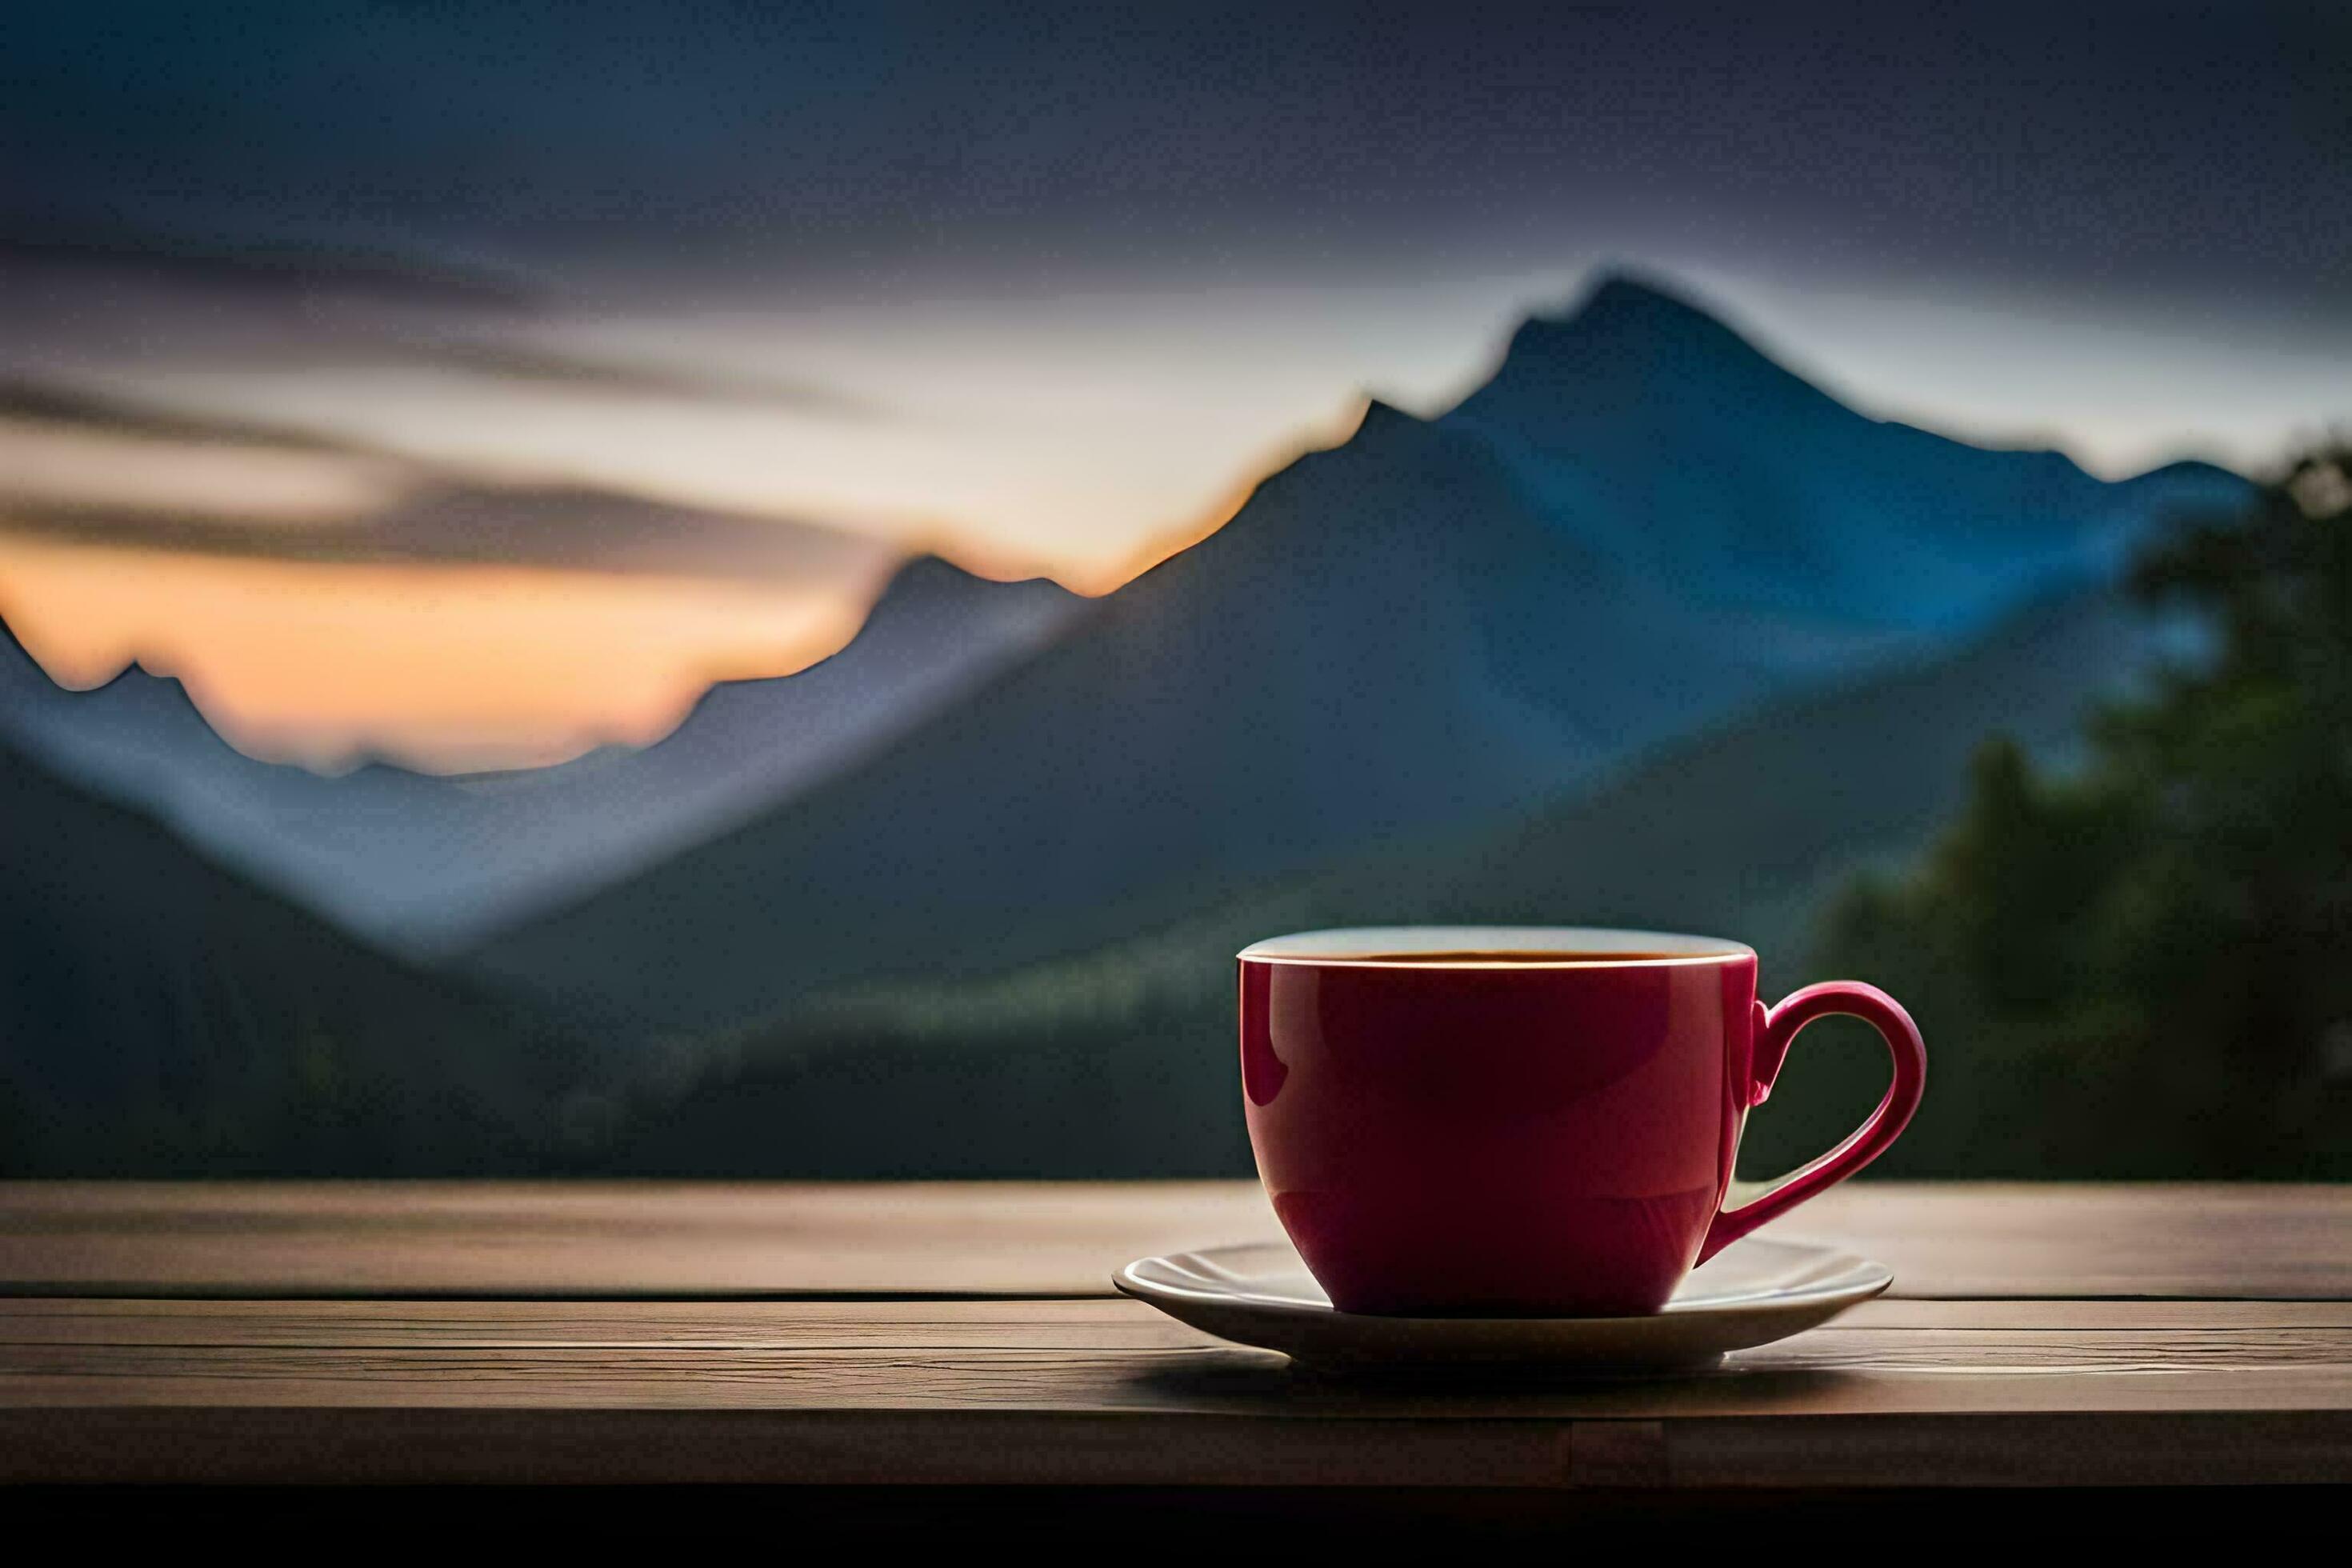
{"x": 54, "y": 403}
{"x": 571, "y": 527}
{"x": 589, "y": 528}
{"x": 281, "y": 270}
{"x": 531, "y": 365}
{"x": 277, "y": 306}
{"x": 431, "y": 515}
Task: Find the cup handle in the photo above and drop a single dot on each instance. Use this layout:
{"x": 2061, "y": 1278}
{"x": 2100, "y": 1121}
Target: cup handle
{"x": 1774, "y": 1032}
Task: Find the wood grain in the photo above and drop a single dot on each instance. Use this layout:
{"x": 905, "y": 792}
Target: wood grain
{"x": 1086, "y": 1393}
{"x": 962, "y": 1335}
{"x": 954, "y": 1325}
{"x": 489, "y": 1241}
{"x": 830, "y": 1355}
{"x": 2207, "y": 1241}
{"x": 605, "y": 1240}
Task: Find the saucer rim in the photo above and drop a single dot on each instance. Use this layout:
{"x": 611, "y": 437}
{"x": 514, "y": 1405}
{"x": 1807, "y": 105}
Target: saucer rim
{"x": 1689, "y": 1338}
{"x": 1857, "y": 1279}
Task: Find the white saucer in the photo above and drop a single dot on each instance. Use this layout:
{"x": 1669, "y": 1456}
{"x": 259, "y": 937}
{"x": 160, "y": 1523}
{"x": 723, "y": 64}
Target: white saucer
{"x": 1752, "y": 1293}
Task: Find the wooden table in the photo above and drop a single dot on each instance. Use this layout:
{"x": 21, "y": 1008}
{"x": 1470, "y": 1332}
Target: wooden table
{"x": 965, "y": 1335}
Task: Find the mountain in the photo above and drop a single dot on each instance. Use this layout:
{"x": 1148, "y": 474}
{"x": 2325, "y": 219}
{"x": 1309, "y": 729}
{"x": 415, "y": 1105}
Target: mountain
{"x": 421, "y": 863}
{"x": 159, "y": 1015}
{"x": 1797, "y": 506}
{"x": 1641, "y": 527}
{"x": 1122, "y": 1053}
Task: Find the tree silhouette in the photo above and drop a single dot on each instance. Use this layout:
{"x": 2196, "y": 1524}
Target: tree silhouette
{"x": 2142, "y": 964}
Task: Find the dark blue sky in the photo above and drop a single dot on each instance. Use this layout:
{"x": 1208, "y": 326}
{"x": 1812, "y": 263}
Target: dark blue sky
{"x": 2152, "y": 155}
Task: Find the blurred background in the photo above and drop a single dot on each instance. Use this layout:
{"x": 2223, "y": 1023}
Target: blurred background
{"x": 773, "y": 591}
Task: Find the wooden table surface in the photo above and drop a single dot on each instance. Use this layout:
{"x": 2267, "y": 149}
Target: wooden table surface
{"x": 966, "y": 1333}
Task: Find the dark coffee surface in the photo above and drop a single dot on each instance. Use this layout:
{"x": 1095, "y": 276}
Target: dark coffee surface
{"x": 1509, "y": 955}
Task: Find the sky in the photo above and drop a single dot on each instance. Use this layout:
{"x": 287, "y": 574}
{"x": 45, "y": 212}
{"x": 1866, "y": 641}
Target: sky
{"x": 471, "y": 385}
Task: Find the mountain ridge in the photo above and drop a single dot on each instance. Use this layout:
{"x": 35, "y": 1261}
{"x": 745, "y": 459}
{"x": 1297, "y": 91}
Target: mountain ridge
{"x": 436, "y": 856}
{"x": 1739, "y": 829}
{"x": 1433, "y": 620}
{"x": 1871, "y": 528}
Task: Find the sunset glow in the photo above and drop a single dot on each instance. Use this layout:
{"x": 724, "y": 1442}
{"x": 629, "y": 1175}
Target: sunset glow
{"x": 1080, "y": 439}
{"x": 454, "y": 667}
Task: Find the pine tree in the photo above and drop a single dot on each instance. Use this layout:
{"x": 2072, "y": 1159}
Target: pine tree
{"x": 2143, "y": 965}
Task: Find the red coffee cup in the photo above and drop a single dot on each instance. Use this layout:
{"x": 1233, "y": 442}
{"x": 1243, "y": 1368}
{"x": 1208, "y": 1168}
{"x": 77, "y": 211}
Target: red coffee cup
{"x": 1521, "y": 1121}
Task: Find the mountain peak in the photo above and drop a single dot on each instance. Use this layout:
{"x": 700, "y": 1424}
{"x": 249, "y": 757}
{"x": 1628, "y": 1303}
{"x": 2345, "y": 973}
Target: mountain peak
{"x": 1629, "y": 296}
{"x": 1631, "y": 342}
{"x": 924, "y": 582}
{"x": 927, "y": 576}
{"x": 1624, "y": 312}
{"x": 1380, "y": 418}
{"x": 930, "y": 598}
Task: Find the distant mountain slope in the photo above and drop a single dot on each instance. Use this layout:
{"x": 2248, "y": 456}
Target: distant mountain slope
{"x": 159, "y": 1015}
{"x": 1641, "y": 527}
{"x": 1124, "y": 1054}
{"x": 1687, "y": 458}
{"x": 422, "y": 864}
